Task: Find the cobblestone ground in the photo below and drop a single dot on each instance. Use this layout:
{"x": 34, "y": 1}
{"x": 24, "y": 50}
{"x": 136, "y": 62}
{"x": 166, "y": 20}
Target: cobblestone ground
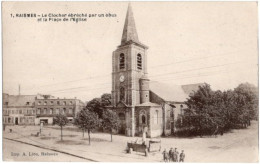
{"x": 236, "y": 146}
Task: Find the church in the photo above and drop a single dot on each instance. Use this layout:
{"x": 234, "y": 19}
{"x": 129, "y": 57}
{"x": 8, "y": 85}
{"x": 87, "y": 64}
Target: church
{"x": 141, "y": 104}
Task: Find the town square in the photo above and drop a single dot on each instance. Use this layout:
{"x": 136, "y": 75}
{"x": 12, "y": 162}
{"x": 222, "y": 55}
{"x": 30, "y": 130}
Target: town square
{"x": 125, "y": 85}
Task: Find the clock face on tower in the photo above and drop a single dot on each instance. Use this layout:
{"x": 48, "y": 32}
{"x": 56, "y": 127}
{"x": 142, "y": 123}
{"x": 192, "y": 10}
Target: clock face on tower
{"x": 122, "y": 78}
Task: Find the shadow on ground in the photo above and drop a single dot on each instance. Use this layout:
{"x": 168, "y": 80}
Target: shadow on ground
{"x": 48, "y": 138}
{"x": 71, "y": 142}
{"x": 96, "y": 139}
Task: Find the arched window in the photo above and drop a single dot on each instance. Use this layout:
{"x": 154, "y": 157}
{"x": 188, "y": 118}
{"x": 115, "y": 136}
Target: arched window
{"x": 122, "y": 93}
{"x": 139, "y": 61}
{"x": 122, "y": 61}
{"x": 143, "y": 119}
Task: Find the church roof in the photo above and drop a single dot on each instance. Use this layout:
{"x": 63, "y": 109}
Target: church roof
{"x": 173, "y": 93}
{"x": 190, "y": 88}
{"x": 129, "y": 32}
{"x": 168, "y": 92}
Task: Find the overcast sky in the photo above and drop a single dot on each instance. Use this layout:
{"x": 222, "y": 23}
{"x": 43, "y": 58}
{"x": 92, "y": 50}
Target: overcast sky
{"x": 189, "y": 42}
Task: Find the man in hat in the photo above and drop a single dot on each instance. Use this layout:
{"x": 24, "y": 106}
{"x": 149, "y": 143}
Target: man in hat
{"x": 176, "y": 154}
{"x": 170, "y": 155}
{"x": 165, "y": 156}
{"x": 182, "y": 156}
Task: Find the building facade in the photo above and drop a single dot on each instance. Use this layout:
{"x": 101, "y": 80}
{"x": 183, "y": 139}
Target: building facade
{"x": 141, "y": 104}
{"x": 33, "y": 109}
{"x": 18, "y": 109}
{"x": 47, "y": 107}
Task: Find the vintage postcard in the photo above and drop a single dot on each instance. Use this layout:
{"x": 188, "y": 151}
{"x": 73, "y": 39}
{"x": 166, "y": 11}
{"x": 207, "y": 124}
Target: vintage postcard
{"x": 130, "y": 81}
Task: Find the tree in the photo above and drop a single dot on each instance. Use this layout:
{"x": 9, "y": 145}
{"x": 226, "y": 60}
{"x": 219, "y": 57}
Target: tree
{"x": 106, "y": 99}
{"x": 87, "y": 120}
{"x": 248, "y": 98}
{"x": 110, "y": 121}
{"x": 211, "y": 111}
{"x": 60, "y": 120}
{"x": 79, "y": 123}
{"x": 98, "y": 105}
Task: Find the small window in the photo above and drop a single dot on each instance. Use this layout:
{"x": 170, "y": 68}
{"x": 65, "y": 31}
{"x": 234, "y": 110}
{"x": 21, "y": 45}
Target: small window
{"x": 122, "y": 93}
{"x": 45, "y": 102}
{"x": 139, "y": 61}
{"x": 64, "y": 110}
{"x": 27, "y": 103}
{"x": 6, "y": 103}
{"x": 64, "y": 102}
{"x": 51, "y": 102}
{"x": 39, "y": 103}
{"x": 70, "y": 102}
{"x": 58, "y": 102}
{"x": 57, "y": 111}
{"x": 39, "y": 111}
{"x": 70, "y": 111}
{"x": 122, "y": 61}
{"x": 172, "y": 114}
{"x": 51, "y": 111}
{"x": 143, "y": 119}
{"x": 45, "y": 111}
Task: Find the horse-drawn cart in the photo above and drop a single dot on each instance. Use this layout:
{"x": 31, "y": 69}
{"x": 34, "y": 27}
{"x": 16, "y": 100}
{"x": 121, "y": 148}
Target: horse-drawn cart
{"x": 143, "y": 147}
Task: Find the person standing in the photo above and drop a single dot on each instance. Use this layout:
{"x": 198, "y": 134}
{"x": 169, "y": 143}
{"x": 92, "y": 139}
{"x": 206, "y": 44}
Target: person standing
{"x": 176, "y": 154}
{"x": 182, "y": 156}
{"x": 170, "y": 155}
{"x": 165, "y": 156}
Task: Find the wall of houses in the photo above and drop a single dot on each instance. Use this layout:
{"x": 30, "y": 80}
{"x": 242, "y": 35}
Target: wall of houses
{"x": 47, "y": 109}
{"x": 18, "y": 109}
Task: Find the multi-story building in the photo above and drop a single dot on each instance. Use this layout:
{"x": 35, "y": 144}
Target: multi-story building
{"x": 47, "y": 107}
{"x": 32, "y": 109}
{"x": 18, "y": 109}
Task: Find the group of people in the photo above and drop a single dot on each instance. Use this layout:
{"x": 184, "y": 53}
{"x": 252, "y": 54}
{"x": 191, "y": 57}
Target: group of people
{"x": 173, "y": 155}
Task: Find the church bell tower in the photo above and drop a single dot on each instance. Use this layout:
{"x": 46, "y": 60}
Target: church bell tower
{"x": 129, "y": 65}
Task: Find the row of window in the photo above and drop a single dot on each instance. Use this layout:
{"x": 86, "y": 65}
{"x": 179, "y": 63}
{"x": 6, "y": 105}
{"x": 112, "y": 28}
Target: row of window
{"x": 22, "y": 120}
{"x": 27, "y": 103}
{"x": 19, "y": 111}
{"x": 57, "y": 103}
{"x": 8, "y": 120}
{"x": 122, "y": 61}
{"x": 54, "y": 111}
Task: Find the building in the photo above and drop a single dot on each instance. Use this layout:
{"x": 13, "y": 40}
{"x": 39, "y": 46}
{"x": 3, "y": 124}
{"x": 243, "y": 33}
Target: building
{"x": 141, "y": 103}
{"x": 18, "y": 109}
{"x": 32, "y": 109}
{"x": 47, "y": 107}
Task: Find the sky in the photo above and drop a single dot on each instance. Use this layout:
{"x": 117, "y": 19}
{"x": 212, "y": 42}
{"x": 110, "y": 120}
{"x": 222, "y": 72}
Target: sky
{"x": 189, "y": 42}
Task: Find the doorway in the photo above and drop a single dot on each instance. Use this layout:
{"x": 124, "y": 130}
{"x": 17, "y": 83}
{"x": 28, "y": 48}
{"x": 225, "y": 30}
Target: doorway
{"x": 16, "y": 120}
{"x": 172, "y": 127}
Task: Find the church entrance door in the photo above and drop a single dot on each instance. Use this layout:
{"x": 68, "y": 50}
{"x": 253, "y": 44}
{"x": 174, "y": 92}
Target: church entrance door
{"x": 122, "y": 128}
{"x": 122, "y": 123}
{"x": 172, "y": 127}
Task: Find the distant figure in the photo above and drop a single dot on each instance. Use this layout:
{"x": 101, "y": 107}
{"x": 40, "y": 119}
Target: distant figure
{"x": 165, "y": 156}
{"x": 176, "y": 154}
{"x": 171, "y": 155}
{"x": 182, "y": 156}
